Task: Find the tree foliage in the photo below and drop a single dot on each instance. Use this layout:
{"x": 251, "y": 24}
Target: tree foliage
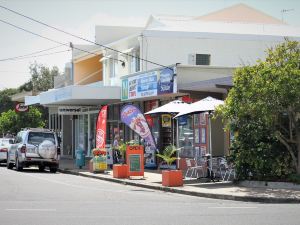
{"x": 263, "y": 109}
{"x": 42, "y": 78}
{"x": 11, "y": 121}
{"x": 5, "y": 99}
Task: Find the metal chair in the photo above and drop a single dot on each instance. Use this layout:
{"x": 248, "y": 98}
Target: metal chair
{"x": 230, "y": 170}
{"x": 193, "y": 171}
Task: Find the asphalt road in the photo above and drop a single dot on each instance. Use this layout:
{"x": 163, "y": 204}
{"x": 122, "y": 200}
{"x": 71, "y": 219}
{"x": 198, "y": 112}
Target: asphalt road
{"x": 35, "y": 198}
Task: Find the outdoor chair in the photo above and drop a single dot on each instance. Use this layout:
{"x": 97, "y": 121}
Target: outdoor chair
{"x": 193, "y": 171}
{"x": 229, "y": 170}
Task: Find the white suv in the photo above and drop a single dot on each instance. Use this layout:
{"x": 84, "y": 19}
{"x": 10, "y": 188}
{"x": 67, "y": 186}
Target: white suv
{"x": 34, "y": 146}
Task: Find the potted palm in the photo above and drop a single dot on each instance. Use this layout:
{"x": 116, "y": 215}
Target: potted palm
{"x": 170, "y": 178}
{"x": 120, "y": 170}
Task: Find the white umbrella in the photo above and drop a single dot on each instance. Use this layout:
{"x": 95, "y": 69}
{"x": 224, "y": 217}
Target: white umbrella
{"x": 209, "y": 105}
{"x": 175, "y": 106}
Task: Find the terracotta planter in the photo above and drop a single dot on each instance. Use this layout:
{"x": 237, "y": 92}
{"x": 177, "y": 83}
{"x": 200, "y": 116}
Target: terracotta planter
{"x": 172, "y": 178}
{"x": 120, "y": 171}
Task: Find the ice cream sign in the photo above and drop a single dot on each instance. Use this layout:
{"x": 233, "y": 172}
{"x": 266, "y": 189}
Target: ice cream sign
{"x": 21, "y": 107}
{"x": 148, "y": 84}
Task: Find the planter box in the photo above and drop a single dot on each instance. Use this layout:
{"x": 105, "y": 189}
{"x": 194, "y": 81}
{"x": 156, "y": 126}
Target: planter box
{"x": 120, "y": 171}
{"x": 172, "y": 178}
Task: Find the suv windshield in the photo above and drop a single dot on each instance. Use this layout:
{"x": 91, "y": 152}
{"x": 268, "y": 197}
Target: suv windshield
{"x": 37, "y": 138}
{"x": 6, "y": 141}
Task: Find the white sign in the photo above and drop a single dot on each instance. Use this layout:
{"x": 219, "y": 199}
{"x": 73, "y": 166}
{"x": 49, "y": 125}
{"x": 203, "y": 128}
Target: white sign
{"x": 70, "y": 110}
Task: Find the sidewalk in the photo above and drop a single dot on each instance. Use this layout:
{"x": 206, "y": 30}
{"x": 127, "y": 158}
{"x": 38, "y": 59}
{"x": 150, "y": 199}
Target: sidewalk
{"x": 217, "y": 190}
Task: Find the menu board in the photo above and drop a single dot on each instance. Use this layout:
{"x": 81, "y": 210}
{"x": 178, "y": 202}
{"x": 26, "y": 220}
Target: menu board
{"x": 135, "y": 163}
{"x": 135, "y": 160}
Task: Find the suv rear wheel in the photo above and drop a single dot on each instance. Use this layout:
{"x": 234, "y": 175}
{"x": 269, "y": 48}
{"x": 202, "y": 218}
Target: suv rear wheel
{"x": 41, "y": 168}
{"x": 53, "y": 169}
{"x": 18, "y": 166}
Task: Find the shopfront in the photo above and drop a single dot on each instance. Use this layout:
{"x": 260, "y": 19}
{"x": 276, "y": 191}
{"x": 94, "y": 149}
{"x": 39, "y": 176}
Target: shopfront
{"x": 155, "y": 88}
{"x": 80, "y": 125}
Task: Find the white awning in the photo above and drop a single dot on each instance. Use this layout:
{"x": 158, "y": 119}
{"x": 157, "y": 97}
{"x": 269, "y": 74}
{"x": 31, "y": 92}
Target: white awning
{"x": 79, "y": 95}
{"x": 32, "y": 100}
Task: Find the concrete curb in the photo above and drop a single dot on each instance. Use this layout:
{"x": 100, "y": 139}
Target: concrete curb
{"x": 191, "y": 193}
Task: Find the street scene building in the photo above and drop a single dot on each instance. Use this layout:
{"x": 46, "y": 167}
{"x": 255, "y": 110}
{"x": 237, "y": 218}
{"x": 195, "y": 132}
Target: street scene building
{"x": 171, "y": 57}
{"x": 154, "y": 112}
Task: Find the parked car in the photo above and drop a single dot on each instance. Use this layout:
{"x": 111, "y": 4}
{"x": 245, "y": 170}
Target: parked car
{"x": 4, "y": 144}
{"x": 34, "y": 146}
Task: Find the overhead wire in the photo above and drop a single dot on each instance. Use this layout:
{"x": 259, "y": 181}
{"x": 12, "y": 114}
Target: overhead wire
{"x": 34, "y": 56}
{"x": 50, "y": 39}
{"x": 84, "y": 39}
{"x": 29, "y": 54}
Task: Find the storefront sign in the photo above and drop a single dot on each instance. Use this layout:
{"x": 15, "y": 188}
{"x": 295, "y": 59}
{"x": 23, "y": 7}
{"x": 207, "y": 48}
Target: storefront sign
{"x": 182, "y": 120}
{"x": 69, "y": 110}
{"x": 166, "y": 120}
{"x": 101, "y": 128}
{"x": 21, "y": 107}
{"x": 148, "y": 84}
{"x": 165, "y": 83}
{"x": 132, "y": 117}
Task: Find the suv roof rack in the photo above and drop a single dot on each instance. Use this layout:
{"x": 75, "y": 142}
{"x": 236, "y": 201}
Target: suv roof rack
{"x": 37, "y": 129}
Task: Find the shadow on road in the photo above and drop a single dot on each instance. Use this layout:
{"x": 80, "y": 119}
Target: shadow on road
{"x": 31, "y": 170}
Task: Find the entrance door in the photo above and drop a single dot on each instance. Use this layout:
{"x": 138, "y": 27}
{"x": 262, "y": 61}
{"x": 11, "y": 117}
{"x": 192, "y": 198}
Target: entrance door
{"x": 114, "y": 128}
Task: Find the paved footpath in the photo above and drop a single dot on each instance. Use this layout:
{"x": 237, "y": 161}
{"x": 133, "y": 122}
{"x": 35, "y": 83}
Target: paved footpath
{"x": 218, "y": 190}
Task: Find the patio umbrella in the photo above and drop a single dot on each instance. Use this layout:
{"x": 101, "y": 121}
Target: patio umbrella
{"x": 173, "y": 107}
{"x": 207, "y": 104}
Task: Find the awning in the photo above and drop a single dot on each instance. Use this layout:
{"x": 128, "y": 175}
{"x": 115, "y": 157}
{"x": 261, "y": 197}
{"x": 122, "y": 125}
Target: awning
{"x": 218, "y": 85}
{"x": 32, "y": 100}
{"x": 78, "y": 95}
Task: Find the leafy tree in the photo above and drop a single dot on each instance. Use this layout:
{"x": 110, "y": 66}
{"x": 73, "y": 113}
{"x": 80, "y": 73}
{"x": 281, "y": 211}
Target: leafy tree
{"x": 25, "y": 87}
{"x": 5, "y": 99}
{"x": 263, "y": 107}
{"x": 42, "y": 78}
{"x": 12, "y": 121}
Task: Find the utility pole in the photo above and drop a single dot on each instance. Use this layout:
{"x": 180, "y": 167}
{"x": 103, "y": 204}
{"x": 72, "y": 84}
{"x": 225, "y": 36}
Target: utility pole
{"x": 285, "y": 11}
{"x": 72, "y": 63}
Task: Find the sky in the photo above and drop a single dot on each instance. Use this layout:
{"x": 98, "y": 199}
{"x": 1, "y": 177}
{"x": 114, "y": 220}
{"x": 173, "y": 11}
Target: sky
{"x": 80, "y": 17}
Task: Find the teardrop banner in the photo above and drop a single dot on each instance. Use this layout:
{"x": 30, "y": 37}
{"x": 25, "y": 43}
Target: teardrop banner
{"x": 101, "y": 128}
{"x": 132, "y": 117}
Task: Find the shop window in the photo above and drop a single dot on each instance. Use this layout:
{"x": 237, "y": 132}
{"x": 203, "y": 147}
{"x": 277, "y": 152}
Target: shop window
{"x": 186, "y": 137}
{"x": 135, "y": 61}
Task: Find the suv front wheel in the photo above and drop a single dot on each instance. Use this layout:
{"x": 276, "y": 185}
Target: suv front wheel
{"x": 9, "y": 165}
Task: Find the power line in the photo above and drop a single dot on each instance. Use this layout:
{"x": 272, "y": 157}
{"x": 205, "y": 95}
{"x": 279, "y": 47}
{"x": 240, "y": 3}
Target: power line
{"x": 84, "y": 39}
{"x": 34, "y": 56}
{"x": 30, "y": 54}
{"x": 49, "y": 39}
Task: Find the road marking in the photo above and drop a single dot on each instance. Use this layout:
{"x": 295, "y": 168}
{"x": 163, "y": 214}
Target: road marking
{"x": 39, "y": 210}
{"x": 233, "y": 207}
